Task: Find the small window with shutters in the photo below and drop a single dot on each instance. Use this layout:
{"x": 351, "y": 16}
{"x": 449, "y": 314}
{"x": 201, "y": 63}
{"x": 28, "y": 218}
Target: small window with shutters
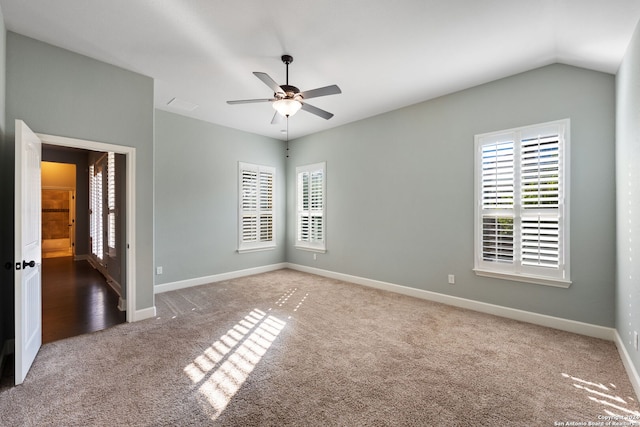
{"x": 257, "y": 207}
{"x": 522, "y": 204}
{"x": 96, "y": 211}
{"x": 310, "y": 206}
{"x": 111, "y": 203}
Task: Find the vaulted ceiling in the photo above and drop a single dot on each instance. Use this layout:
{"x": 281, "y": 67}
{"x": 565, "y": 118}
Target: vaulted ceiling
{"x": 384, "y": 55}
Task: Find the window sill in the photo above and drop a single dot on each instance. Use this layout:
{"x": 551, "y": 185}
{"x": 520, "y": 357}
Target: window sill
{"x": 538, "y": 280}
{"x": 264, "y": 248}
{"x": 311, "y": 249}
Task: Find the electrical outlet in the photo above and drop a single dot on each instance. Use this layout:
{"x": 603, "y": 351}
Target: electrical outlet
{"x": 635, "y": 340}
{"x": 315, "y": 257}
{"x": 452, "y": 279}
{"x": 158, "y": 270}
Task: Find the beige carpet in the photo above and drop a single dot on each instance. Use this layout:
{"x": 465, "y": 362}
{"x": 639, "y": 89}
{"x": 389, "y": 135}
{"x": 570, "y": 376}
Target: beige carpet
{"x": 288, "y": 348}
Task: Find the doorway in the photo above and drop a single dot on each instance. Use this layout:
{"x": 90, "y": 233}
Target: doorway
{"x": 82, "y": 288}
{"x": 128, "y": 301}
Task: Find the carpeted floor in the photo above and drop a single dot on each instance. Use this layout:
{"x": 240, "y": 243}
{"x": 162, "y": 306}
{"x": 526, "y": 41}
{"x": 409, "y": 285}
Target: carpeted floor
{"x": 288, "y": 348}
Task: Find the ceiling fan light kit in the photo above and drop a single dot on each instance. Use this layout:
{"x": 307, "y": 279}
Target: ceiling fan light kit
{"x": 288, "y": 100}
{"x": 287, "y": 107}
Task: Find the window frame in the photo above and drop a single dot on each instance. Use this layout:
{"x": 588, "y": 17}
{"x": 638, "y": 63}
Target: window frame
{"x": 517, "y": 270}
{"x": 256, "y": 244}
{"x": 311, "y": 244}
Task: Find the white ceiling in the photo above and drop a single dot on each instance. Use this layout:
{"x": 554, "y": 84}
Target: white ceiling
{"x": 384, "y": 55}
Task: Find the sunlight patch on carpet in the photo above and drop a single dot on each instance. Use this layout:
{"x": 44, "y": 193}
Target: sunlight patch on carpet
{"x": 615, "y": 407}
{"x": 223, "y": 367}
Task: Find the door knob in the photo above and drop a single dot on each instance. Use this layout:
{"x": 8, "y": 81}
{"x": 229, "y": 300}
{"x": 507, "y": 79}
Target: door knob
{"x": 26, "y": 264}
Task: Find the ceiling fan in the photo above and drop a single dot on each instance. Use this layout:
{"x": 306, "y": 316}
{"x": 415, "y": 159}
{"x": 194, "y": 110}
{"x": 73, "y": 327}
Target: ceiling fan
{"x": 287, "y": 99}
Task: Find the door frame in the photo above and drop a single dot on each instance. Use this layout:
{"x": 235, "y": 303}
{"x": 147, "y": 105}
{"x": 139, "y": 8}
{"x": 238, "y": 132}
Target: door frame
{"x": 130, "y": 212}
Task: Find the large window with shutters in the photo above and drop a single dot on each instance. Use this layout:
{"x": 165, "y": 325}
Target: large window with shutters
{"x": 257, "y": 207}
{"x": 310, "y": 203}
{"x": 522, "y": 204}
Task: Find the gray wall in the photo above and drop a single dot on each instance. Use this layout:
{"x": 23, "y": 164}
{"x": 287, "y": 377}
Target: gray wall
{"x": 196, "y": 202}
{"x": 400, "y": 191}
{"x": 62, "y": 93}
{"x": 6, "y": 213}
{"x": 628, "y": 197}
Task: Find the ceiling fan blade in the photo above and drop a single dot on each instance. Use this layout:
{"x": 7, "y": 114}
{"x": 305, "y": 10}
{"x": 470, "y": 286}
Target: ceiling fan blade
{"x": 321, "y": 91}
{"x": 275, "y": 87}
{"x": 277, "y": 118}
{"x": 249, "y": 101}
{"x": 317, "y": 111}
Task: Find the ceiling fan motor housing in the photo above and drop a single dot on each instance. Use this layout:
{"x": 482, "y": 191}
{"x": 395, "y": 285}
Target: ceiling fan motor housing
{"x": 290, "y": 92}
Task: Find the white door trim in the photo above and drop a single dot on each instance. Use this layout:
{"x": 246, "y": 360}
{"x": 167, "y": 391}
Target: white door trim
{"x": 130, "y": 153}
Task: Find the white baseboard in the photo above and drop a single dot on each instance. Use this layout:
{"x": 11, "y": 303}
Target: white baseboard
{"x": 172, "y": 286}
{"x": 628, "y": 364}
{"x": 145, "y": 313}
{"x": 497, "y": 310}
{"x": 81, "y": 258}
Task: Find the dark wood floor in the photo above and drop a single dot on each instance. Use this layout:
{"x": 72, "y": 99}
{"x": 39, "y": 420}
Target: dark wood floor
{"x": 76, "y": 300}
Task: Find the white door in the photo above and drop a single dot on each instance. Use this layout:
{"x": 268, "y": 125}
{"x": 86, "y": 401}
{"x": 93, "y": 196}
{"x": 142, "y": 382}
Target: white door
{"x": 28, "y": 228}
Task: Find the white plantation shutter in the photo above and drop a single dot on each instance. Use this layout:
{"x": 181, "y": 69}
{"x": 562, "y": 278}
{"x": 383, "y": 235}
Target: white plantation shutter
{"x": 310, "y": 221}
{"x": 541, "y": 241}
{"x": 497, "y": 201}
{"x": 257, "y": 225}
{"x": 540, "y": 198}
{"x": 522, "y": 184}
{"x": 540, "y": 169}
{"x": 111, "y": 200}
{"x": 266, "y": 206}
{"x": 95, "y": 201}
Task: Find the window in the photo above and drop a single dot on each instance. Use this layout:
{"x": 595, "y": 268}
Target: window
{"x": 95, "y": 205}
{"x": 257, "y": 220}
{"x": 111, "y": 201}
{"x": 522, "y": 200}
{"x": 310, "y": 203}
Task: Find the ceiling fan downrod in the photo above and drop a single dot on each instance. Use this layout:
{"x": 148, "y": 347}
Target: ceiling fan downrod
{"x": 287, "y": 59}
